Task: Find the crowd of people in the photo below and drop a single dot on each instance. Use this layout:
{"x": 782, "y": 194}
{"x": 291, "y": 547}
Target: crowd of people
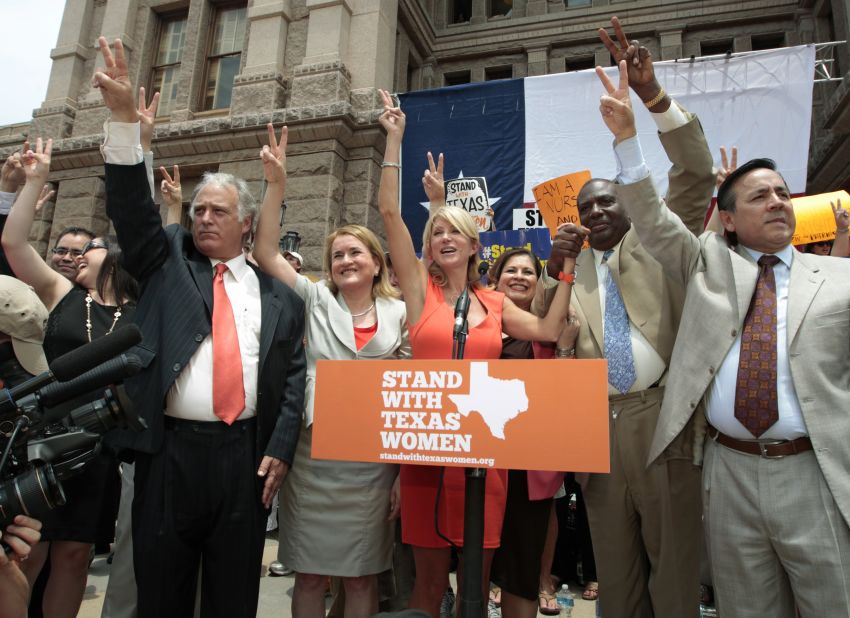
{"x": 728, "y": 384}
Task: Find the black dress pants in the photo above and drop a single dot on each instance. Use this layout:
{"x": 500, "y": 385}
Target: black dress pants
{"x": 197, "y": 503}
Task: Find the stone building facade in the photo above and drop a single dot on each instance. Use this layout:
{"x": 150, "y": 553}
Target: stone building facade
{"x": 225, "y": 69}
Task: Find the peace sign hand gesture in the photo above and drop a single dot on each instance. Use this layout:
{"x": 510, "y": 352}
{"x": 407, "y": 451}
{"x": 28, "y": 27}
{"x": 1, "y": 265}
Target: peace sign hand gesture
{"x": 433, "y": 181}
{"x": 273, "y": 156}
{"x": 616, "y": 106}
{"x": 392, "y": 119}
{"x": 114, "y": 83}
{"x": 638, "y": 61}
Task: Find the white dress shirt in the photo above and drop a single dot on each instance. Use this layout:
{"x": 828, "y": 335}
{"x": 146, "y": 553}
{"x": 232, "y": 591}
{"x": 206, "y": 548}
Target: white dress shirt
{"x": 190, "y": 397}
{"x": 721, "y": 394}
{"x": 649, "y": 366}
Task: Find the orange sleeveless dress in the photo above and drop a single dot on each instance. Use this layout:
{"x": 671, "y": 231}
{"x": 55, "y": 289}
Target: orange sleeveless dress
{"x": 431, "y": 338}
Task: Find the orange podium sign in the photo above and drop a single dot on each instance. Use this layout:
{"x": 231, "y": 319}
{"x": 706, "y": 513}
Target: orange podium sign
{"x": 514, "y": 414}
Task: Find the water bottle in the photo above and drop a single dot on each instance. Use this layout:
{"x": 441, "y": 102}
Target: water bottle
{"x": 566, "y": 601}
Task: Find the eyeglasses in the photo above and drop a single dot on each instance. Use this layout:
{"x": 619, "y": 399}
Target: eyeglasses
{"x": 63, "y": 251}
{"x": 93, "y": 244}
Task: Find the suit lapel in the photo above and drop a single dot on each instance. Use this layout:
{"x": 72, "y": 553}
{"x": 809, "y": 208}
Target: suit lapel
{"x": 341, "y": 324}
{"x": 745, "y": 272}
{"x": 804, "y": 283}
{"x": 384, "y": 339}
{"x": 270, "y": 308}
{"x": 586, "y": 292}
{"x": 202, "y": 272}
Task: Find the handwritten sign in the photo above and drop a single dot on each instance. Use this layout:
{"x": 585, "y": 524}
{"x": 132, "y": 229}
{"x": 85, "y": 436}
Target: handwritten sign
{"x": 815, "y": 220}
{"x": 464, "y": 413}
{"x": 557, "y": 199}
{"x": 470, "y": 194}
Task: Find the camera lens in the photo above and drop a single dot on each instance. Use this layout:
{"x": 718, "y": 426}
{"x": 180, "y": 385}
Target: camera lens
{"x": 32, "y": 493}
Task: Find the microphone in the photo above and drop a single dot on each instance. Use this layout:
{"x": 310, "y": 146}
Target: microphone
{"x": 73, "y": 363}
{"x": 461, "y": 311}
{"x": 108, "y": 373}
{"x": 483, "y": 267}
{"x": 82, "y": 359}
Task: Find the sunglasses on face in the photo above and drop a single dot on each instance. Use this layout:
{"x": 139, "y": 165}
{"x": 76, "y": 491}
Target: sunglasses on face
{"x": 93, "y": 244}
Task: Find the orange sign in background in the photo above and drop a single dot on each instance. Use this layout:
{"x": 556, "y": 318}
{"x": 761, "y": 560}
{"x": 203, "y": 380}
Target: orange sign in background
{"x": 514, "y": 414}
{"x": 557, "y": 199}
{"x": 815, "y": 220}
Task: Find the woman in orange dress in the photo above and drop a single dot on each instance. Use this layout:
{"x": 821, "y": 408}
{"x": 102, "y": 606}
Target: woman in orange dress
{"x": 431, "y": 288}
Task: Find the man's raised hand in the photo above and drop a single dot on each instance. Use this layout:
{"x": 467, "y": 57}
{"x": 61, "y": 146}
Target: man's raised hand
{"x": 639, "y": 63}
{"x": 114, "y": 83}
{"x": 616, "y": 106}
{"x": 726, "y": 166}
{"x": 273, "y": 156}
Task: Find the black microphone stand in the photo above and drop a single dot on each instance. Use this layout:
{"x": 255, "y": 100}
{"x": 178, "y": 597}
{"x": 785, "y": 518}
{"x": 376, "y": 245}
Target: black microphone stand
{"x": 472, "y": 601}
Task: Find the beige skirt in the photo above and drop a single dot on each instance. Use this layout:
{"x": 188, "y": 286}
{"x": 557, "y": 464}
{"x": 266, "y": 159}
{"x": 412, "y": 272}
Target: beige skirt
{"x": 333, "y": 515}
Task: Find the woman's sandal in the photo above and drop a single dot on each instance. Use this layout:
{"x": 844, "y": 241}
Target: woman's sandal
{"x": 591, "y": 591}
{"x": 547, "y": 603}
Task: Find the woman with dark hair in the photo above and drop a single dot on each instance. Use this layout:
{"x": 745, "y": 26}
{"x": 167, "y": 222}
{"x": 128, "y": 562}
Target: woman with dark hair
{"x": 102, "y": 297}
{"x": 523, "y": 562}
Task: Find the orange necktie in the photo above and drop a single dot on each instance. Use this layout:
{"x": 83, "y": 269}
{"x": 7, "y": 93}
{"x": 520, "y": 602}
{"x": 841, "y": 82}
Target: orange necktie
{"x": 228, "y": 388}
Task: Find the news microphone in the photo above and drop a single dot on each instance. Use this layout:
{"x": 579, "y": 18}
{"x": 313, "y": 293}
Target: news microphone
{"x": 110, "y": 372}
{"x": 483, "y": 267}
{"x": 461, "y": 311}
{"x": 72, "y": 364}
{"x": 87, "y": 357}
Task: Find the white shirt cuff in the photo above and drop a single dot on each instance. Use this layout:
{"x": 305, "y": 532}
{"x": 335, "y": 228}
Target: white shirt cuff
{"x": 6, "y": 201}
{"x": 149, "y": 169}
{"x": 631, "y": 166}
{"x": 673, "y": 118}
{"x": 122, "y": 144}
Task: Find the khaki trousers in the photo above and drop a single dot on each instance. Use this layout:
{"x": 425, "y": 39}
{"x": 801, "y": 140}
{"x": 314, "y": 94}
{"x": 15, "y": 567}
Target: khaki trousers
{"x": 645, "y": 521}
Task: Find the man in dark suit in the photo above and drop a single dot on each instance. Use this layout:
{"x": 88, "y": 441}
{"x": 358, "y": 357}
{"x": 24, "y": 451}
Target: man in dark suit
{"x": 223, "y": 421}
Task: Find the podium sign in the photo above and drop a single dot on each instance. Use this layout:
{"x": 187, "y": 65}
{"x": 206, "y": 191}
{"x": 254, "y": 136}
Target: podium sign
{"x": 514, "y": 414}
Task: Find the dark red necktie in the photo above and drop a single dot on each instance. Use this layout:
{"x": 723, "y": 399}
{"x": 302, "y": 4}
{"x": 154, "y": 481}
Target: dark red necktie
{"x": 228, "y": 388}
{"x": 756, "y": 404}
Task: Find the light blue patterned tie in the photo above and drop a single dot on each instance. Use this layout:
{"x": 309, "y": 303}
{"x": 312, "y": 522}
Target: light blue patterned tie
{"x": 618, "y": 338}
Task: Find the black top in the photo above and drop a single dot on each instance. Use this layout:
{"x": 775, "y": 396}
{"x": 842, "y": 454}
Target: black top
{"x": 513, "y": 348}
{"x": 66, "y": 325}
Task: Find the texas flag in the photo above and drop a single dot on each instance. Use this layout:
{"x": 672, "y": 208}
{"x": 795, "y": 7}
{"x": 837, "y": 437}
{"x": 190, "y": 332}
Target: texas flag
{"x": 518, "y": 133}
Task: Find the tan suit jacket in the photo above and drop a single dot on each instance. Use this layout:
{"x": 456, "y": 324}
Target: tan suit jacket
{"x": 720, "y": 284}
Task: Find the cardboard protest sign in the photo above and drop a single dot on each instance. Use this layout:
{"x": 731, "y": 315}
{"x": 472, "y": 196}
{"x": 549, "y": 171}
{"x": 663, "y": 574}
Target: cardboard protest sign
{"x": 470, "y": 193}
{"x": 464, "y": 413}
{"x": 815, "y": 220}
{"x": 557, "y": 199}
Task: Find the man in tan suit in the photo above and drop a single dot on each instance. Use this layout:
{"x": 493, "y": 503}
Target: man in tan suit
{"x": 645, "y": 522}
{"x": 762, "y": 354}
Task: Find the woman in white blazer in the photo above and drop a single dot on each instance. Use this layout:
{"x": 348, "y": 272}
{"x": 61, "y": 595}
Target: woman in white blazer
{"x": 335, "y": 516}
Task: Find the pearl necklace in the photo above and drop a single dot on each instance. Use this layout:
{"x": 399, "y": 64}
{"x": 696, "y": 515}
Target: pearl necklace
{"x": 116, "y": 315}
{"x": 360, "y": 315}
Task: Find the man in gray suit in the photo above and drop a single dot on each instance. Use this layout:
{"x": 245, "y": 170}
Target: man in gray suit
{"x": 645, "y": 522}
{"x": 762, "y": 356}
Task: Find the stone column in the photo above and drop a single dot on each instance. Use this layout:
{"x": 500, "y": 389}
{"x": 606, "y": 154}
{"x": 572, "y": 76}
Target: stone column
{"x": 372, "y": 49}
{"x": 536, "y": 7}
{"x": 602, "y": 57}
{"x": 55, "y": 117}
{"x": 322, "y": 76}
{"x": 80, "y": 202}
{"x": 742, "y": 43}
{"x": 118, "y": 21}
{"x": 538, "y": 60}
{"x": 671, "y": 45}
{"x": 261, "y": 85}
{"x": 426, "y": 74}
{"x": 479, "y": 12}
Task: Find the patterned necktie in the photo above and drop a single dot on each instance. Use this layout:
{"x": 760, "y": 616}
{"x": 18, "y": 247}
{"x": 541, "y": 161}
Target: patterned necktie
{"x": 756, "y": 404}
{"x": 617, "y": 335}
{"x": 228, "y": 388}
